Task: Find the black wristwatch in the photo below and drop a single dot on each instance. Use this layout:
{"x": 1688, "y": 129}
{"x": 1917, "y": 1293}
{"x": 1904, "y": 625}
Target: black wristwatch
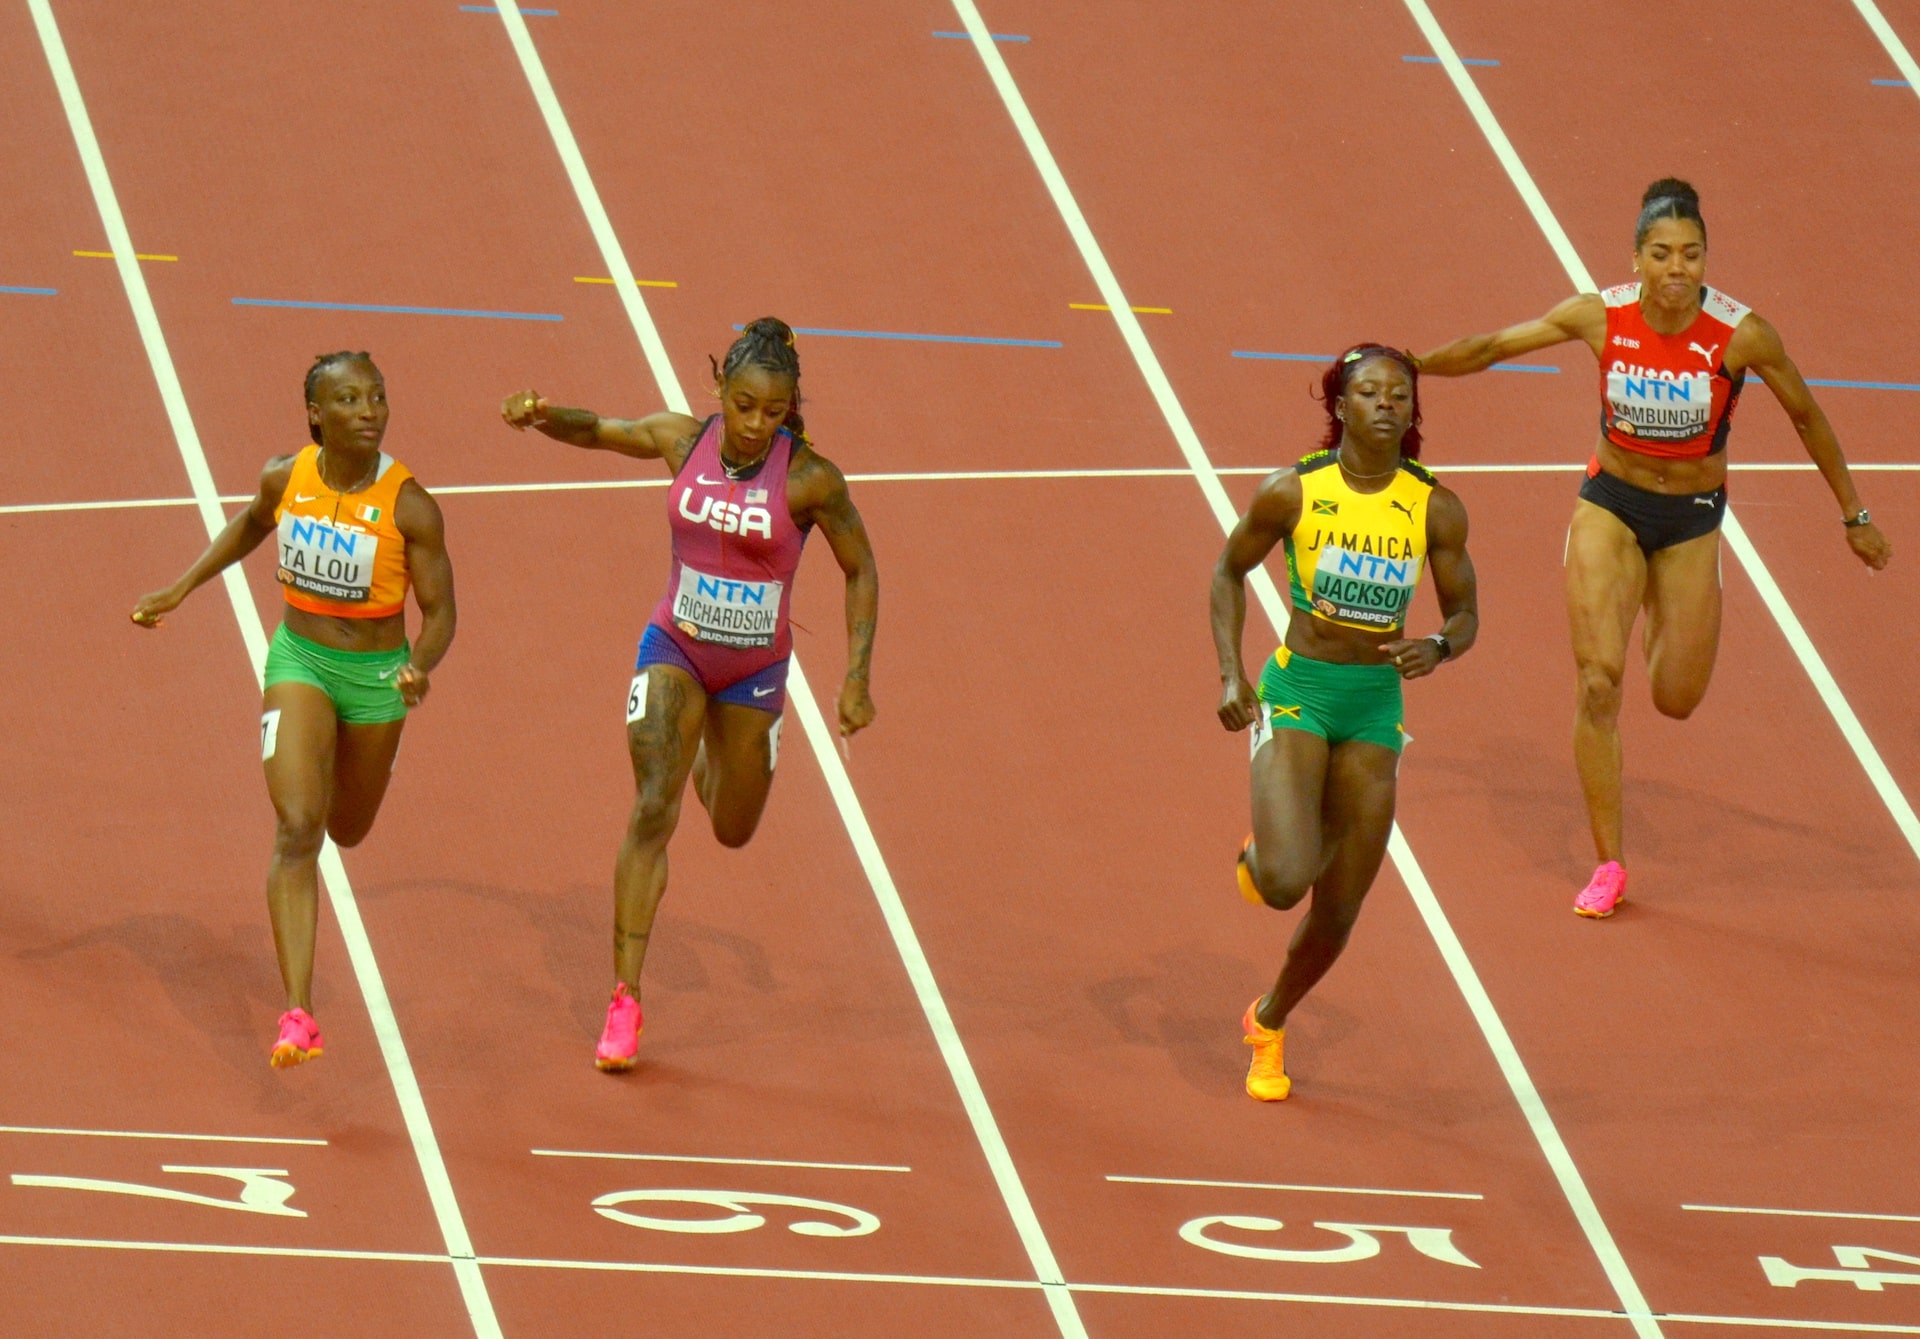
{"x": 1439, "y": 639}
{"x": 1858, "y": 519}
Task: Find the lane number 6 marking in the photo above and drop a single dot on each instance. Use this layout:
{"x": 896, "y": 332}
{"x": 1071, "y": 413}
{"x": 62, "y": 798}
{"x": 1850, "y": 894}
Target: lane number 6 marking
{"x": 739, "y": 1209}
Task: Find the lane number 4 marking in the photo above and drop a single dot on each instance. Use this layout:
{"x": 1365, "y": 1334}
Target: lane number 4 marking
{"x": 1436, "y": 1243}
{"x": 261, "y": 1190}
{"x": 1855, "y": 1268}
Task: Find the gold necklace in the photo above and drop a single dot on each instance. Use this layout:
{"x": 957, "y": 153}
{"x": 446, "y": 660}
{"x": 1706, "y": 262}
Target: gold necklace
{"x": 367, "y": 476}
{"x": 1341, "y": 455}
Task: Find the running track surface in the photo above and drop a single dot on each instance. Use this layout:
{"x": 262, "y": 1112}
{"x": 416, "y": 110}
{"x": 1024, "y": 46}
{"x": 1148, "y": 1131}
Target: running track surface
{"x": 1045, "y": 786}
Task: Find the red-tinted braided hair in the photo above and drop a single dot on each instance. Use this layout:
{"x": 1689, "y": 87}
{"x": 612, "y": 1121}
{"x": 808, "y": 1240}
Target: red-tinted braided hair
{"x": 1333, "y": 385}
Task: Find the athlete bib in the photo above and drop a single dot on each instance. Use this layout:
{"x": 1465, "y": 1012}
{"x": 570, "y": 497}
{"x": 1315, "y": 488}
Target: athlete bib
{"x": 725, "y": 611}
{"x": 1362, "y": 589}
{"x": 327, "y": 560}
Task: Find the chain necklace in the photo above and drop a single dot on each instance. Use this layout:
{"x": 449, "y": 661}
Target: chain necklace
{"x": 367, "y": 477}
{"x": 746, "y": 469}
{"x": 1352, "y": 473}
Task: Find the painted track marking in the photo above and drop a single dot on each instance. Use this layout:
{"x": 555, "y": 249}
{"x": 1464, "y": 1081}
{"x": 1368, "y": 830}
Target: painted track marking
{"x": 366, "y": 970}
{"x": 398, "y": 311}
{"x": 1890, "y": 40}
{"x": 1805, "y": 1213}
{"x": 906, "y": 940}
{"x": 951, "y": 1281}
{"x": 718, "y": 1162}
{"x": 159, "y": 1134}
{"x": 926, "y": 476}
{"x": 1317, "y": 1190}
{"x": 1572, "y": 1185}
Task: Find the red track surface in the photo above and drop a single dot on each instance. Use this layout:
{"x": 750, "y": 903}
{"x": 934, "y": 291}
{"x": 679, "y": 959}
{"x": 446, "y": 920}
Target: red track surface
{"x": 1045, "y": 782}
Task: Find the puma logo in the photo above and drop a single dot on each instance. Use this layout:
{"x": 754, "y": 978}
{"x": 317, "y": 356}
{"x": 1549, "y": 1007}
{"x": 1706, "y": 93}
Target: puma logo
{"x": 1401, "y": 506}
{"x": 1706, "y": 353}
{"x": 1703, "y": 502}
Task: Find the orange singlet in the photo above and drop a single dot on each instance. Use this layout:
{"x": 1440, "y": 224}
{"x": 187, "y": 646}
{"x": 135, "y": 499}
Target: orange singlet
{"x": 342, "y": 554}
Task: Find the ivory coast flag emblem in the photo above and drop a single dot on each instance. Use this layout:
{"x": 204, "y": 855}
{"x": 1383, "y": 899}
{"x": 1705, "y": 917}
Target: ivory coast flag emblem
{"x": 371, "y": 515}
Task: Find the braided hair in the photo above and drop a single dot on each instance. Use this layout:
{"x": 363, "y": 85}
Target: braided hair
{"x": 1668, "y": 198}
{"x": 767, "y": 344}
{"x": 1333, "y": 385}
{"x": 325, "y": 363}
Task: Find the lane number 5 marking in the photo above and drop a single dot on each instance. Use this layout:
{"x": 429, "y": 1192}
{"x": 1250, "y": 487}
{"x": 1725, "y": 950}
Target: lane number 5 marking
{"x": 1436, "y": 1243}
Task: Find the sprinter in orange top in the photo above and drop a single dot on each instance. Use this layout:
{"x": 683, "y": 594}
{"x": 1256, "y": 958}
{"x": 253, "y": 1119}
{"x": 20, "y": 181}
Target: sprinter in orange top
{"x": 354, "y": 530}
{"x": 1673, "y": 357}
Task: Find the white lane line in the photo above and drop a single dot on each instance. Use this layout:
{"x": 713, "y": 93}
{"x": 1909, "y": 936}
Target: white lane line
{"x": 159, "y": 1134}
{"x": 1488, "y": 1308}
{"x": 973, "y": 1097}
{"x": 949, "y": 1281}
{"x": 1316, "y": 1190}
{"x": 718, "y": 1162}
{"x": 748, "y": 1272}
{"x": 1890, "y": 40}
{"x": 1572, "y": 1186}
{"x": 1743, "y": 548}
{"x": 1805, "y": 1213}
{"x": 214, "y": 1248}
{"x": 924, "y": 477}
{"x": 346, "y": 910}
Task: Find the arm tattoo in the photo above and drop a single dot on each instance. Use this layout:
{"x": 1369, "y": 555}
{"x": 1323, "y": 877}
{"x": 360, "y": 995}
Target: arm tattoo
{"x": 861, "y": 654}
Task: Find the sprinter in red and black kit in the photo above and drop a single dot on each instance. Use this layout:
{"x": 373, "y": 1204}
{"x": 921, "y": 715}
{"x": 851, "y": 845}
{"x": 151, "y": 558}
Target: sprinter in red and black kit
{"x": 710, "y": 679}
{"x": 1646, "y": 531}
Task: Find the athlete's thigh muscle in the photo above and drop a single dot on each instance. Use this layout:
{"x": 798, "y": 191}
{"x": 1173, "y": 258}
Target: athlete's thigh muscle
{"x": 741, "y": 744}
{"x": 1289, "y": 783}
{"x": 1683, "y": 618}
{"x": 665, "y": 709}
{"x": 297, "y": 734}
{"x": 1606, "y": 577}
{"x": 363, "y": 765}
{"x": 1362, "y": 780}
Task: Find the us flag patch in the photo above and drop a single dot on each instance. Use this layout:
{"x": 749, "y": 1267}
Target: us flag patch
{"x": 756, "y": 495}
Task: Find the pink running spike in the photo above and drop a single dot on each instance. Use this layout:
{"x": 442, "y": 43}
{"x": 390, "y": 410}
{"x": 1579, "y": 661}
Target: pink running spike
{"x": 299, "y": 1039}
{"x": 620, "y": 1039}
{"x": 1607, "y": 890}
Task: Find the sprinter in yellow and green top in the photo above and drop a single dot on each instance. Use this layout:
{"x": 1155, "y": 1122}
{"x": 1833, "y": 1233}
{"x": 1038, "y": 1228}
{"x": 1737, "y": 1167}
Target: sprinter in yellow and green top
{"x": 1359, "y": 519}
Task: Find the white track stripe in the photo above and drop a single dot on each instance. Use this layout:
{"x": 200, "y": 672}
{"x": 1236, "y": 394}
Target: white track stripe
{"x": 1310, "y": 1190}
{"x": 1737, "y": 540}
{"x": 717, "y": 1162}
{"x": 972, "y": 1097}
{"x": 921, "y": 477}
{"x": 160, "y": 1134}
{"x": 1805, "y": 1213}
{"x": 393, "y": 1051}
{"x": 1511, "y": 1067}
{"x": 1348, "y": 1301}
{"x": 1890, "y": 39}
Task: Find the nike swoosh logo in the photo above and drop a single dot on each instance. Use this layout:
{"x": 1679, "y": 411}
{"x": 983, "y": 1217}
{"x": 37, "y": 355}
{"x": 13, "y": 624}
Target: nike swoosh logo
{"x": 306, "y": 497}
{"x": 765, "y": 692}
{"x": 711, "y": 483}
